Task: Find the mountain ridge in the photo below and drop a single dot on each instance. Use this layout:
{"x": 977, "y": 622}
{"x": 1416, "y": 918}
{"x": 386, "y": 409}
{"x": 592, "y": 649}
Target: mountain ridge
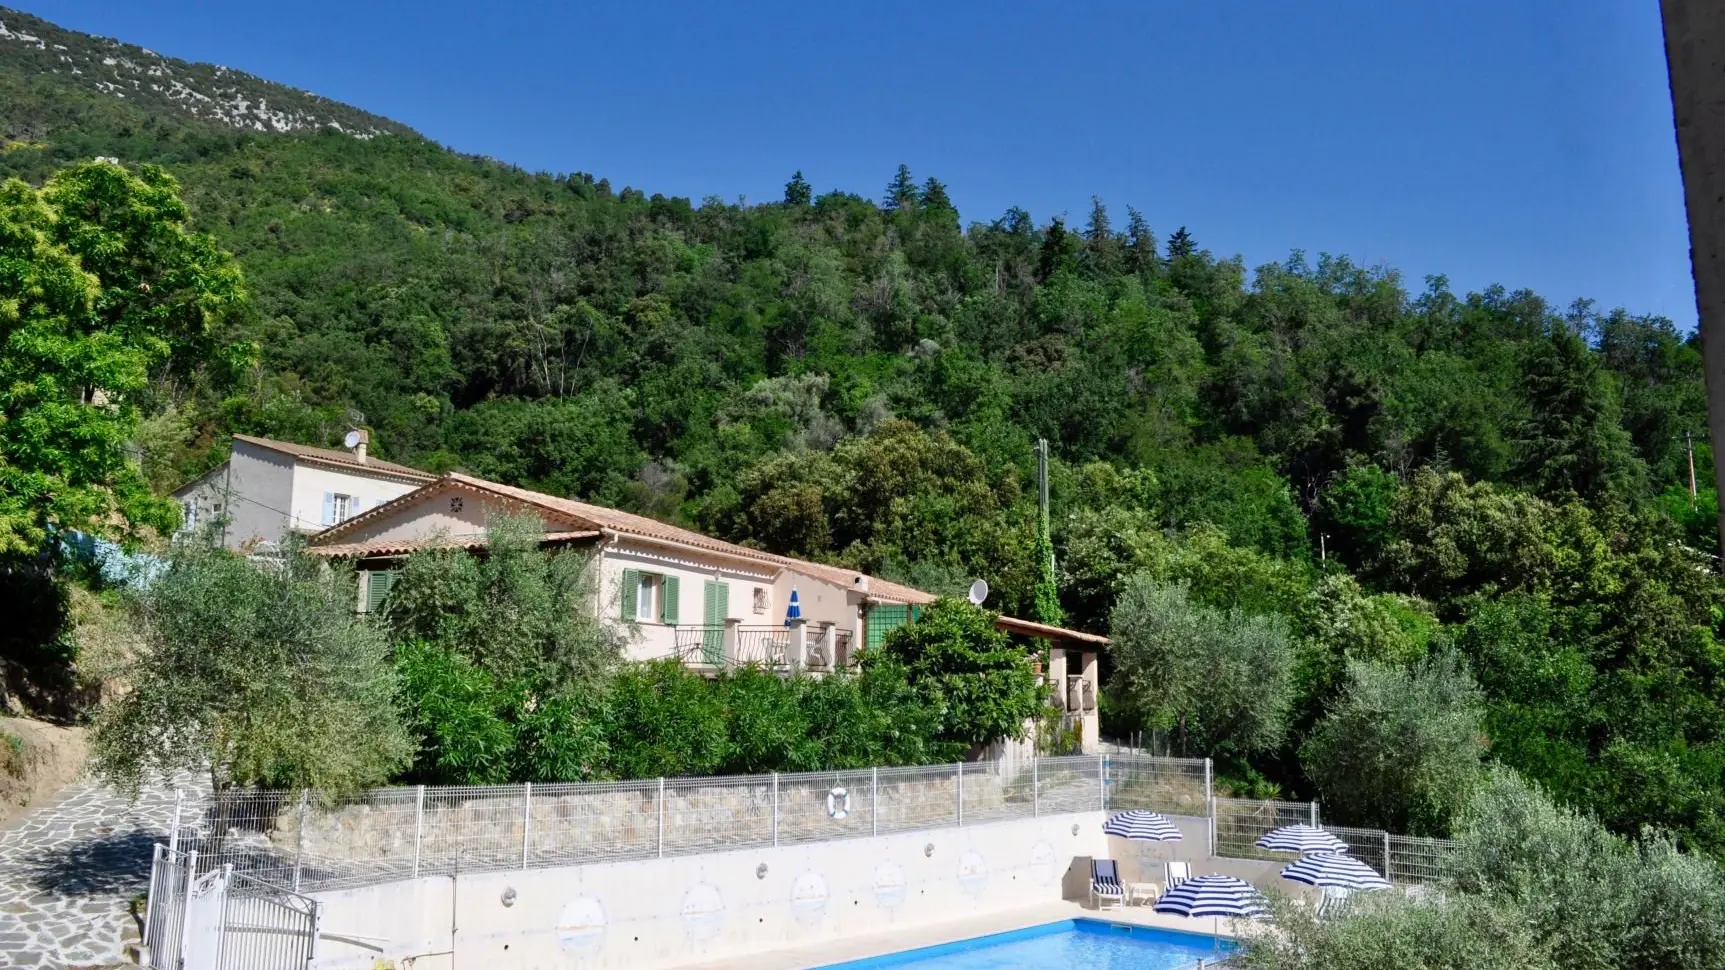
{"x": 210, "y": 94}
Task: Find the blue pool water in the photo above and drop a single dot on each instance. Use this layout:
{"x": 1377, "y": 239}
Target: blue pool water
{"x": 1077, "y": 944}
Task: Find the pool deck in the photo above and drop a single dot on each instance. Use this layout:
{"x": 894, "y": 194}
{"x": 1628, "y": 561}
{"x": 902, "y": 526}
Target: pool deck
{"x": 910, "y": 938}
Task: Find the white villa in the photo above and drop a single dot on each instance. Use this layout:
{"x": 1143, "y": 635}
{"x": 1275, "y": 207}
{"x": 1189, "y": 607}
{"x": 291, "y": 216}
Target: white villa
{"x": 268, "y": 489}
{"x": 710, "y": 603}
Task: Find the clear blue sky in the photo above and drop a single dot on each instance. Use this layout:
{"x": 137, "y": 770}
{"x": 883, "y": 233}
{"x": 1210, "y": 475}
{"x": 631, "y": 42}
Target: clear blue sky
{"x": 1525, "y": 142}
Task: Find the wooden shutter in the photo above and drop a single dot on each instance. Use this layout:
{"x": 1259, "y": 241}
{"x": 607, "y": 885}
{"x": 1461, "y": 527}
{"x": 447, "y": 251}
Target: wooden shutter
{"x": 631, "y": 587}
{"x": 329, "y": 508}
{"x": 883, "y": 619}
{"x": 378, "y": 583}
{"x": 715, "y": 606}
{"x": 669, "y": 587}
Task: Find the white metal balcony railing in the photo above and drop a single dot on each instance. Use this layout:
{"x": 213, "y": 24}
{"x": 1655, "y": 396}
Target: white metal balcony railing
{"x": 772, "y": 647}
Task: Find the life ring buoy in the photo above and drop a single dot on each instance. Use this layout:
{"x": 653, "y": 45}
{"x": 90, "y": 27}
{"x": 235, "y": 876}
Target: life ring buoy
{"x": 838, "y": 804}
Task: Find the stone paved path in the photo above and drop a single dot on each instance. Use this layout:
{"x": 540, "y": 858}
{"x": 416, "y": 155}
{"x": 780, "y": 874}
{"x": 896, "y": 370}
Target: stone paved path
{"x": 70, "y": 869}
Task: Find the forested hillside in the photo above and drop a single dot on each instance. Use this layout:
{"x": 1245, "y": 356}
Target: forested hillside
{"x": 1420, "y": 489}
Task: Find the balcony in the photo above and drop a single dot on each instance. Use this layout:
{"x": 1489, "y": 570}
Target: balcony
{"x": 798, "y": 648}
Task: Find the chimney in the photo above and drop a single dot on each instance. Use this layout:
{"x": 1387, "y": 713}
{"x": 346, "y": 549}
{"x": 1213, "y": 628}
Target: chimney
{"x": 357, "y": 440}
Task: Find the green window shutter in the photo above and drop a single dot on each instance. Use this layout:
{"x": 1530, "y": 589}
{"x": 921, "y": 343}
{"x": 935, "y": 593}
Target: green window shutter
{"x": 631, "y": 586}
{"x": 378, "y": 583}
{"x": 883, "y": 619}
{"x": 715, "y": 604}
{"x": 669, "y": 589}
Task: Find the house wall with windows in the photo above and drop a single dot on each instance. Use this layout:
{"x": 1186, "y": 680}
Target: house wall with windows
{"x": 653, "y": 590}
{"x": 250, "y": 494}
{"x": 324, "y": 496}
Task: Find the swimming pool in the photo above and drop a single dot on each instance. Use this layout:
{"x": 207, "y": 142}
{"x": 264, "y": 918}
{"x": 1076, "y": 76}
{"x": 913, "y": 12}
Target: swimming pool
{"x": 1080, "y": 944}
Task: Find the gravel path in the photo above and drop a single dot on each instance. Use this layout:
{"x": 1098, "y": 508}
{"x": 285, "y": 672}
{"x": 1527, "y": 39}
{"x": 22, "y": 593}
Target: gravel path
{"x": 70, "y": 869}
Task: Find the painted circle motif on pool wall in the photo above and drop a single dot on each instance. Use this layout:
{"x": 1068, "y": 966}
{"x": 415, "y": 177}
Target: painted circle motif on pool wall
{"x": 972, "y": 873}
{"x": 581, "y": 925}
{"x": 809, "y": 898}
{"x": 703, "y": 912}
{"x": 1042, "y": 862}
{"x": 889, "y": 885}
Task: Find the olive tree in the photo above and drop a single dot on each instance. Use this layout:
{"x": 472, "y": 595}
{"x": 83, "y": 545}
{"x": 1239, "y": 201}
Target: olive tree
{"x": 261, "y": 675}
{"x": 1402, "y": 748}
{"x": 1220, "y": 680}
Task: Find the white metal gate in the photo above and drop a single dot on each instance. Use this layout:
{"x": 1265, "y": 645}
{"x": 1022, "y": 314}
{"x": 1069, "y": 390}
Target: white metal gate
{"x": 222, "y": 920}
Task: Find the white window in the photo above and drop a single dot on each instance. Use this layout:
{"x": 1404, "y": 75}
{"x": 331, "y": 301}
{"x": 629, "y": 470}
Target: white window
{"x": 341, "y": 507}
{"x": 647, "y": 598}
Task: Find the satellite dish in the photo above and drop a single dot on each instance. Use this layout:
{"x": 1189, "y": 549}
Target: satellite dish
{"x": 978, "y": 592}
{"x": 352, "y": 439}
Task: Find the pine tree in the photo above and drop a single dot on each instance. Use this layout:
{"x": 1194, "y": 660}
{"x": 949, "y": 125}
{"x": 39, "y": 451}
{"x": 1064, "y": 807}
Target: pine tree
{"x": 797, "y": 191}
{"x": 1101, "y": 245}
{"x": 1180, "y": 245}
{"x": 1572, "y": 440}
{"x": 1140, "y": 243}
{"x": 934, "y": 197}
{"x": 1056, "y": 243}
{"x": 901, "y": 192}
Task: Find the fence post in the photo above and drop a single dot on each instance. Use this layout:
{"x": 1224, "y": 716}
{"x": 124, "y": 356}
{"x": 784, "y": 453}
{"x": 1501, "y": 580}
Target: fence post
{"x": 1314, "y": 814}
{"x": 316, "y": 931}
{"x": 186, "y": 901}
{"x": 299, "y": 839}
{"x": 418, "y": 825}
{"x": 222, "y": 922}
{"x": 174, "y": 833}
{"x": 874, "y": 799}
{"x": 526, "y": 820}
{"x": 959, "y": 788}
{"x": 150, "y": 900}
{"x": 1036, "y": 787}
{"x": 1102, "y": 779}
{"x": 1387, "y": 858}
{"x": 661, "y": 817}
{"x": 1210, "y": 804}
{"x": 775, "y": 808}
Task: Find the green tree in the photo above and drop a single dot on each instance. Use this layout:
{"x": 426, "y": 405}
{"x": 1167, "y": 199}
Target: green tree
{"x": 101, "y": 287}
{"x": 901, "y": 192}
{"x": 1572, "y": 440}
{"x": 980, "y": 682}
{"x": 262, "y": 676}
{"x": 1402, "y": 749}
{"x": 1221, "y": 681}
{"x": 797, "y": 191}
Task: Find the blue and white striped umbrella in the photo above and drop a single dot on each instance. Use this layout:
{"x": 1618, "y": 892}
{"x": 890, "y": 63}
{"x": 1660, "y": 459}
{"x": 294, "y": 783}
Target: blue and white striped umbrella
{"x": 795, "y": 610}
{"x": 1213, "y": 896}
{"x": 1141, "y": 825}
{"x": 1302, "y": 839}
{"x": 1331, "y": 869}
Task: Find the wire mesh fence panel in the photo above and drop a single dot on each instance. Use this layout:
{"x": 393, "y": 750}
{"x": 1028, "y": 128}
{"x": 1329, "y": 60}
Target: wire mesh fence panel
{"x": 713, "y": 814}
{"x": 993, "y": 791}
{"x": 1172, "y": 786}
{"x": 1071, "y": 784}
{"x": 586, "y": 822}
{"x": 1370, "y": 846}
{"x": 823, "y": 805}
{"x": 471, "y": 829}
{"x": 265, "y": 927}
{"x": 917, "y": 798}
{"x": 368, "y": 839}
{"x": 252, "y": 830}
{"x": 1241, "y": 822}
{"x": 1415, "y": 861}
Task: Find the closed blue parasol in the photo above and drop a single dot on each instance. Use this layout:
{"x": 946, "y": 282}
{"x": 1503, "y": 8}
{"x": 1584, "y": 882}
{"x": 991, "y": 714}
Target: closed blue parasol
{"x": 1222, "y": 896}
{"x": 1302, "y": 839}
{"x": 795, "y": 610}
{"x": 1140, "y": 825}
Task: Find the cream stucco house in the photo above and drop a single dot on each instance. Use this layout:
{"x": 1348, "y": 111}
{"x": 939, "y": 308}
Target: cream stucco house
{"x": 268, "y": 489}
{"x": 709, "y": 603}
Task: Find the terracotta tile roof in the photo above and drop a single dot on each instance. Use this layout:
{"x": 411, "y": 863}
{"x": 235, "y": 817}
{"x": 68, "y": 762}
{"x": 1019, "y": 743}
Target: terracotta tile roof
{"x": 403, "y": 547}
{"x": 336, "y": 456}
{"x": 581, "y": 515}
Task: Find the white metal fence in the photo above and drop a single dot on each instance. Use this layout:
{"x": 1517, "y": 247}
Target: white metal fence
{"x": 198, "y": 918}
{"x": 300, "y": 844}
